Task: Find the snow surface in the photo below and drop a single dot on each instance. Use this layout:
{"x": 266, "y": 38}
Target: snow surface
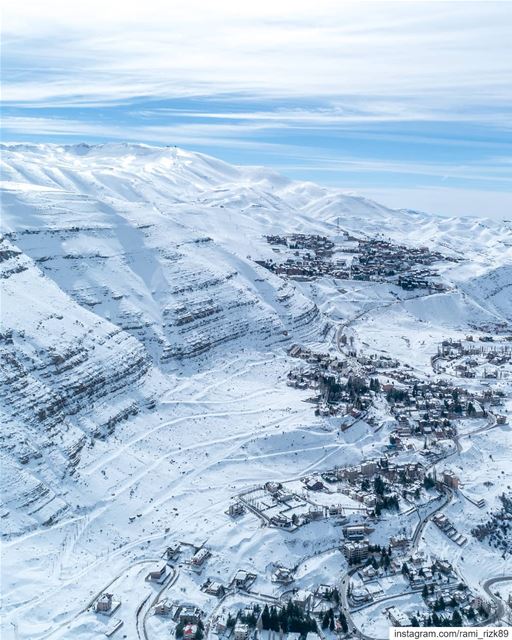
{"x": 143, "y": 377}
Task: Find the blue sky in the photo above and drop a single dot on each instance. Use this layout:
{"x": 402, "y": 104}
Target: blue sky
{"x": 406, "y": 102}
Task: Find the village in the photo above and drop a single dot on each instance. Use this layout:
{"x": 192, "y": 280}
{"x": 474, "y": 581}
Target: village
{"x": 234, "y": 609}
{"x": 375, "y": 568}
{"x": 307, "y": 257}
{"x": 349, "y": 386}
{"x": 372, "y": 565}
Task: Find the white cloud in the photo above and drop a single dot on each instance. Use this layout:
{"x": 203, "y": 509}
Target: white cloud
{"x": 429, "y": 54}
{"x": 369, "y": 70}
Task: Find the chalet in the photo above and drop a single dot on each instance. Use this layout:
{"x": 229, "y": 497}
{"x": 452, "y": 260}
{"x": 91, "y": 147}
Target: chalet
{"x": 158, "y": 573}
{"x": 316, "y": 512}
{"x": 314, "y": 484}
{"x": 399, "y": 542}
{"x": 221, "y": 623}
{"x": 336, "y": 510}
{"x": 273, "y": 487}
{"x": 281, "y": 522}
{"x": 104, "y": 603}
{"x": 368, "y": 572}
{"x": 173, "y": 551}
{"x": 443, "y": 566}
{"x": 243, "y": 579}
{"x": 355, "y": 532}
{"x": 282, "y": 575}
{"x": 200, "y": 557}
{"x": 213, "y": 588}
{"x": 163, "y": 607}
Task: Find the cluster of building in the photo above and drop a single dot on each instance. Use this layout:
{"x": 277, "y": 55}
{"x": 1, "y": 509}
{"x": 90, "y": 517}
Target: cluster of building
{"x": 281, "y": 506}
{"x": 370, "y": 260}
{"x": 320, "y": 245}
{"x": 471, "y": 360}
{"x": 430, "y": 407}
{"x": 447, "y": 527}
{"x": 359, "y": 482}
{"x": 381, "y": 260}
{"x": 447, "y": 599}
{"x": 312, "y": 257}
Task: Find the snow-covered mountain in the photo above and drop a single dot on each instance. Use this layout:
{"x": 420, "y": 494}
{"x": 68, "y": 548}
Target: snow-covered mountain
{"x": 127, "y": 270}
{"x": 121, "y": 261}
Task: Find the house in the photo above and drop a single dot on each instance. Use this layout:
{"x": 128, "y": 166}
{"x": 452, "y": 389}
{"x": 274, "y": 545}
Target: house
{"x": 190, "y": 631}
{"x": 158, "y": 573}
{"x": 450, "y": 480}
{"x": 398, "y": 618}
{"x": 398, "y": 542}
{"x": 355, "y": 532}
{"x": 104, "y": 603}
{"x": 303, "y": 599}
{"x": 443, "y": 566}
{"x": 282, "y": 575}
{"x": 163, "y": 608}
{"x": 200, "y": 557}
{"x": 243, "y": 579}
{"x": 358, "y": 596}
{"x": 368, "y": 572}
{"x": 280, "y": 521}
{"x": 314, "y": 484}
{"x": 213, "y": 588}
{"x": 221, "y": 624}
{"x": 189, "y": 614}
{"x": 173, "y": 551}
{"x": 241, "y": 631}
{"x": 316, "y": 512}
{"x": 273, "y": 487}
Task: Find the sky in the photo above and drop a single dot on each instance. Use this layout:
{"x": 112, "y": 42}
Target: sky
{"x": 409, "y": 103}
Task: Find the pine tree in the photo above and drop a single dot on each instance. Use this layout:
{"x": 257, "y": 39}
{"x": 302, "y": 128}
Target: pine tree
{"x": 343, "y": 622}
{"x": 456, "y": 618}
{"x": 325, "y": 620}
{"x": 265, "y": 618}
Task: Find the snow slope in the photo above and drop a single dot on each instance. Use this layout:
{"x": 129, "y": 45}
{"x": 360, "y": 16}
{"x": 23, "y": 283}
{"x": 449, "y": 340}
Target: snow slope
{"x": 143, "y": 358}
